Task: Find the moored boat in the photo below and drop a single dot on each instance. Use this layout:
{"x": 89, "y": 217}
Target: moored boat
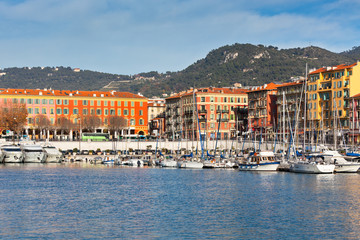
{"x": 11, "y": 154}
{"x": 33, "y": 153}
{"x": 313, "y": 164}
{"x": 53, "y": 155}
{"x": 262, "y": 161}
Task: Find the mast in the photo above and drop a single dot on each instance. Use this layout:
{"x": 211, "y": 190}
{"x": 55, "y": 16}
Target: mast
{"x": 305, "y": 98}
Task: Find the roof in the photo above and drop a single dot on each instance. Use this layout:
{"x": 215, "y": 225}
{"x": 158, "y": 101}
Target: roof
{"x": 290, "y": 84}
{"x": 334, "y": 68}
{"x": 73, "y": 93}
{"x": 209, "y": 90}
{"x": 356, "y": 96}
{"x": 267, "y": 87}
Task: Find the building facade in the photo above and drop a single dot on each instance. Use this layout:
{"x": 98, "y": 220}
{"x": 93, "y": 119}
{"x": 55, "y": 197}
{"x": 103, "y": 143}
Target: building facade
{"x": 69, "y": 110}
{"x": 263, "y": 110}
{"x": 206, "y": 112}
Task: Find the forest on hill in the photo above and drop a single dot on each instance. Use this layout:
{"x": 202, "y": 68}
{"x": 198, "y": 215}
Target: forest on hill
{"x": 239, "y": 63}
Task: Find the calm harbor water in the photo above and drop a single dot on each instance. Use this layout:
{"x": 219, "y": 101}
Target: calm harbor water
{"x": 89, "y": 202}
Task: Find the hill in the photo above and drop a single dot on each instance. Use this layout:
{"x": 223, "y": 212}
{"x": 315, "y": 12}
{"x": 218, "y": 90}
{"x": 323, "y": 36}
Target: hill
{"x": 239, "y": 63}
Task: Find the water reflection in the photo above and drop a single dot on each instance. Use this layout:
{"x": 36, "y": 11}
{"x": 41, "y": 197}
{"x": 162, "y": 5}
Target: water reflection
{"x": 98, "y": 201}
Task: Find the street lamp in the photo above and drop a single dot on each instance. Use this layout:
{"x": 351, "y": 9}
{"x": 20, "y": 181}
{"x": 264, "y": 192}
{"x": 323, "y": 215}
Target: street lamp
{"x": 79, "y": 134}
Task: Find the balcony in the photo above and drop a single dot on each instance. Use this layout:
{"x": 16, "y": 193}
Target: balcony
{"x": 222, "y": 111}
{"x": 224, "y": 120}
{"x": 202, "y": 111}
{"x": 189, "y": 112}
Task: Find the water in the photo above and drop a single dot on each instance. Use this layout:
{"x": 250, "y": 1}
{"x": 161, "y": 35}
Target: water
{"x": 92, "y": 202}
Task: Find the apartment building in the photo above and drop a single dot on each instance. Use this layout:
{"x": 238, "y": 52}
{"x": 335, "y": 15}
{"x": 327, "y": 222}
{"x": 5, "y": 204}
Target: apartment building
{"x": 207, "y": 112}
{"x": 69, "y": 110}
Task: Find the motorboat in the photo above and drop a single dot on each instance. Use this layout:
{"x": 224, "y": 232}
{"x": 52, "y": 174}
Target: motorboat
{"x": 261, "y": 161}
{"x": 11, "y": 154}
{"x": 170, "y": 162}
{"x": 53, "y": 155}
{"x": 136, "y": 162}
{"x": 312, "y": 164}
{"x": 341, "y": 164}
{"x": 33, "y": 153}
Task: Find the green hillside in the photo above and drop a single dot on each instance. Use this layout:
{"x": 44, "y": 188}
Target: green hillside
{"x": 239, "y": 63}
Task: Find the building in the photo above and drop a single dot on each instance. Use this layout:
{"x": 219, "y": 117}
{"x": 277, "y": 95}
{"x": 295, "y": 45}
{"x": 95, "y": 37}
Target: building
{"x": 263, "y": 110}
{"x": 328, "y": 100}
{"x": 290, "y": 100}
{"x": 209, "y": 112}
{"x": 156, "y": 116}
{"x": 70, "y": 111}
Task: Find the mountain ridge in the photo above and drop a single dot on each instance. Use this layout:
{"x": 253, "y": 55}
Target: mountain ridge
{"x": 247, "y": 64}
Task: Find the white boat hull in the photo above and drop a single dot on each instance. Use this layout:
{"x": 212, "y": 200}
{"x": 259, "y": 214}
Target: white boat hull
{"x": 53, "y": 158}
{"x": 13, "y": 158}
{"x": 34, "y": 158}
{"x": 347, "y": 168}
{"x": 136, "y": 163}
{"x": 170, "y": 163}
{"x": 312, "y": 168}
{"x": 189, "y": 164}
{"x": 259, "y": 167}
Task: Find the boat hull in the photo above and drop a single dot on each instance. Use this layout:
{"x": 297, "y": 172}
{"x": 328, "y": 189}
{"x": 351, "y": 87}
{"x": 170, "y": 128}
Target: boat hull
{"x": 172, "y": 164}
{"x": 259, "y": 167}
{"x": 347, "y": 168}
{"x": 34, "y": 158}
{"x": 189, "y": 164}
{"x": 13, "y": 158}
{"x": 312, "y": 168}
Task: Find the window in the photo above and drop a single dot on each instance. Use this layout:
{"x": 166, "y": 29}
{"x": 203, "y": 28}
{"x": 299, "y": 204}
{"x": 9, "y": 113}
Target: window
{"x": 43, "y": 111}
{"x": 132, "y": 103}
{"x": 37, "y": 111}
{"x": 339, "y": 84}
{"x": 30, "y": 111}
{"x": 15, "y": 100}
{"x": 119, "y": 112}
{"x": 112, "y": 112}
{"x": 22, "y": 100}
{"x": 29, "y": 120}
{"x": 125, "y": 103}
{"x": 85, "y": 111}
{"x": 85, "y": 102}
{"x": 112, "y": 103}
{"x": 202, "y": 99}
{"x": 75, "y": 111}
{"x": 58, "y": 111}
{"x": 126, "y": 112}
{"x": 105, "y": 103}
{"x": 141, "y": 112}
{"x": 91, "y": 102}
{"x": 66, "y": 111}
{"x": 51, "y": 101}
{"x": 58, "y": 101}
{"x": 37, "y": 101}
{"x": 119, "y": 103}
{"x": 132, "y": 122}
{"x": 29, "y": 101}
{"x": 66, "y": 102}
{"x": 75, "y": 102}
{"x": 98, "y": 111}
{"x": 44, "y": 101}
{"x": 141, "y": 104}
{"x": 132, "y": 112}
{"x": 141, "y": 121}
{"x": 225, "y": 99}
{"x": 211, "y": 99}
{"x": 92, "y": 111}
{"x": 51, "y": 111}
{"x": 106, "y": 111}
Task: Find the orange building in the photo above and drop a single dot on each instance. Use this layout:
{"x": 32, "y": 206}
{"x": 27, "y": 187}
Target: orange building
{"x": 67, "y": 110}
{"x": 262, "y": 109}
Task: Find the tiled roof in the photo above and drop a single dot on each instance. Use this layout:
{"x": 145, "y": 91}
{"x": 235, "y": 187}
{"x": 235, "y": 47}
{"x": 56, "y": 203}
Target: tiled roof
{"x": 209, "y": 90}
{"x": 290, "y": 84}
{"x": 334, "y": 68}
{"x": 270, "y": 86}
{"x": 50, "y": 92}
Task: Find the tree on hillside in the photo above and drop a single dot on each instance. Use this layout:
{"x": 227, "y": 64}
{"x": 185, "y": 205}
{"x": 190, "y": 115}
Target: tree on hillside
{"x": 13, "y": 116}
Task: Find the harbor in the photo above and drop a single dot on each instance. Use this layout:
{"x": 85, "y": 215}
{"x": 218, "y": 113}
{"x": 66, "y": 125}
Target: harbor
{"x": 88, "y": 201}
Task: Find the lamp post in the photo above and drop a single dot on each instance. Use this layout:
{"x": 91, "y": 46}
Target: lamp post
{"x": 79, "y": 134}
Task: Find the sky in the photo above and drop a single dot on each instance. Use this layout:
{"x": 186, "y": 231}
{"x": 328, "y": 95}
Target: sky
{"x": 134, "y": 36}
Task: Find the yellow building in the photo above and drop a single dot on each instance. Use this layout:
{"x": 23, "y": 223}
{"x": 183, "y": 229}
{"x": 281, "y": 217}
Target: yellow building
{"x": 328, "y": 92}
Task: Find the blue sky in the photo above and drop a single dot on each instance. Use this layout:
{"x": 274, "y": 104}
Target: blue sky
{"x": 133, "y": 36}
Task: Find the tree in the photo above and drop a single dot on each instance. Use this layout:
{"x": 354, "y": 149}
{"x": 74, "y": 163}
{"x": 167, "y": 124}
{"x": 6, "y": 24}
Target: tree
{"x": 13, "y": 116}
{"x": 64, "y": 124}
{"x": 117, "y": 123}
{"x": 42, "y": 123}
{"x": 90, "y": 123}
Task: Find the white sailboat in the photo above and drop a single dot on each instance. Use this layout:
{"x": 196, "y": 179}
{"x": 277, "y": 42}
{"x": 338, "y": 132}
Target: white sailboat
{"x": 341, "y": 164}
{"x": 313, "y": 164}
